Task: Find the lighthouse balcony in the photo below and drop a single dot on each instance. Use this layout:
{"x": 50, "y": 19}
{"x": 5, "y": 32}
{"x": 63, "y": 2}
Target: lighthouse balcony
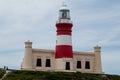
{"x": 64, "y": 21}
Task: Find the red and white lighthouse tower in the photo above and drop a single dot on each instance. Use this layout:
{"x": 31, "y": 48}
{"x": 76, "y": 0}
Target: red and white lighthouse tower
{"x": 64, "y": 53}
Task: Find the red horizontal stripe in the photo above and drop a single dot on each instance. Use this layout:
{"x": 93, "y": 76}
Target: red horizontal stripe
{"x": 63, "y": 51}
{"x": 64, "y": 32}
{"x": 64, "y": 28}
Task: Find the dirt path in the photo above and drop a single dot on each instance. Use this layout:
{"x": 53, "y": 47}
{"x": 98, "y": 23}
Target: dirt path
{"x": 7, "y": 72}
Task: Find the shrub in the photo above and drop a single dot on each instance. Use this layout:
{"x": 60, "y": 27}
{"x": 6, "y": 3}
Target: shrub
{"x": 2, "y": 72}
{"x": 40, "y": 75}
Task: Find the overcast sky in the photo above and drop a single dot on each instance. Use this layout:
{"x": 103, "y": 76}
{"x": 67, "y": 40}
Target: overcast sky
{"x": 96, "y": 22}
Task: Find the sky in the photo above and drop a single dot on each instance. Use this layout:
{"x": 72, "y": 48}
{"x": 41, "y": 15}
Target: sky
{"x": 95, "y": 22}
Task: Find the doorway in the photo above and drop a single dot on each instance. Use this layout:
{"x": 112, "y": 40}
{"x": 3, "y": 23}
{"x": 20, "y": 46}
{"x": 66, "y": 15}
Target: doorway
{"x": 67, "y": 65}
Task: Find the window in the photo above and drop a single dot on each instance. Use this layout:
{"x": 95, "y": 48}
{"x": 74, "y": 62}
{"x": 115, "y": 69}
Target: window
{"x": 56, "y": 41}
{"x": 78, "y": 64}
{"x": 48, "y": 64}
{"x": 38, "y": 62}
{"x": 87, "y": 65}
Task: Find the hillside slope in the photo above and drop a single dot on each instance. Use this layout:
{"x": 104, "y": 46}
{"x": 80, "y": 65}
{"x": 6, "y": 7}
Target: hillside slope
{"x": 2, "y": 72}
{"x": 39, "y": 75}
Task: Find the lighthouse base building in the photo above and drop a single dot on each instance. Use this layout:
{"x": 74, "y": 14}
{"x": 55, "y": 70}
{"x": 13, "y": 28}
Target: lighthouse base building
{"x": 44, "y": 60}
{"x": 63, "y": 58}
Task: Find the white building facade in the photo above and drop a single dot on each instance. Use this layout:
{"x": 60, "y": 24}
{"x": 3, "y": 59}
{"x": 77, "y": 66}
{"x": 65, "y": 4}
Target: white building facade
{"x": 63, "y": 59}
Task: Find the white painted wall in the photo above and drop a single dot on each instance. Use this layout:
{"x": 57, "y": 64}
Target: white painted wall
{"x": 64, "y": 40}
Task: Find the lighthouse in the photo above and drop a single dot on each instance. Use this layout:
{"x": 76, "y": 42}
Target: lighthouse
{"x": 63, "y": 58}
{"x": 63, "y": 52}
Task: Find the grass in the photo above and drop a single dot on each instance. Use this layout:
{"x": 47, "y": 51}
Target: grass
{"x": 2, "y": 72}
{"x": 40, "y": 75}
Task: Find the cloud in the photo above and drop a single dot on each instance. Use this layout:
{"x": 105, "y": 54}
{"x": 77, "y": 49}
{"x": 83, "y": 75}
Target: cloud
{"x": 110, "y": 61}
{"x": 94, "y": 23}
{"x": 11, "y": 59}
{"x": 97, "y": 25}
{"x": 21, "y": 18}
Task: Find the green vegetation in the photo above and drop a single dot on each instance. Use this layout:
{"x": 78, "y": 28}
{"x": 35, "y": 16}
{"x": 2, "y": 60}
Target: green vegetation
{"x": 114, "y": 77}
{"x": 2, "y": 72}
{"x": 40, "y": 75}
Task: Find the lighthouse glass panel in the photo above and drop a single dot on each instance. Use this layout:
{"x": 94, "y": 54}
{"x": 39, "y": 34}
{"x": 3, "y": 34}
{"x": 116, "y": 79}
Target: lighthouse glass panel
{"x": 64, "y": 14}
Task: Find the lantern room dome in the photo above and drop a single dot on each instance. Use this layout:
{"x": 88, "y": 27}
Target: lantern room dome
{"x": 64, "y": 7}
